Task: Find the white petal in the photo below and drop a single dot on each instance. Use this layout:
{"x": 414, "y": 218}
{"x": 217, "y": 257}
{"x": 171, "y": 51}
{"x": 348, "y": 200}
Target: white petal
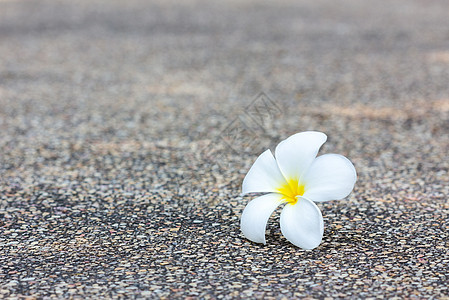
{"x": 264, "y": 175}
{"x": 302, "y": 224}
{"x": 295, "y": 154}
{"x": 256, "y": 214}
{"x": 331, "y": 177}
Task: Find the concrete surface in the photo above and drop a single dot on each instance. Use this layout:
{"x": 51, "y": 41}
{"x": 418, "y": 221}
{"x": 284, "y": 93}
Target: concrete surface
{"x": 115, "y": 180}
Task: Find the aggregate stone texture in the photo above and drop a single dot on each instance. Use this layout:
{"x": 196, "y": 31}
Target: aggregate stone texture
{"x": 127, "y": 127}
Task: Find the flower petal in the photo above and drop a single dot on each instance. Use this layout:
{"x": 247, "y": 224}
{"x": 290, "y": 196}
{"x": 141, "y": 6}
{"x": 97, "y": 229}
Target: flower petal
{"x": 256, "y": 214}
{"x": 264, "y": 175}
{"x": 331, "y": 177}
{"x": 302, "y": 224}
{"x": 295, "y": 154}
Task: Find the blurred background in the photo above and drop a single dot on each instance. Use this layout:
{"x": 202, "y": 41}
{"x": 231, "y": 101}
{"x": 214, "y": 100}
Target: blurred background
{"x": 117, "y": 73}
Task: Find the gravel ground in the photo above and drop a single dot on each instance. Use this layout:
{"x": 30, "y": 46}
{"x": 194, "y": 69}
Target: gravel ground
{"x": 125, "y": 133}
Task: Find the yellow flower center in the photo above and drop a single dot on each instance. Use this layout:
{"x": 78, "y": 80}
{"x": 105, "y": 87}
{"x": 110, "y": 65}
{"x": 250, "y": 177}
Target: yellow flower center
{"x": 291, "y": 190}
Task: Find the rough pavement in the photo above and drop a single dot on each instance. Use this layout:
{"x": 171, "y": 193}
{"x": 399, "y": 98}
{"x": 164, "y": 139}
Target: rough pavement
{"x": 116, "y": 181}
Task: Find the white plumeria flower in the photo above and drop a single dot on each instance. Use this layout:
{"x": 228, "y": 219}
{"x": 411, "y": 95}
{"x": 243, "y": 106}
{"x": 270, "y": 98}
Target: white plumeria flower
{"x": 297, "y": 178}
